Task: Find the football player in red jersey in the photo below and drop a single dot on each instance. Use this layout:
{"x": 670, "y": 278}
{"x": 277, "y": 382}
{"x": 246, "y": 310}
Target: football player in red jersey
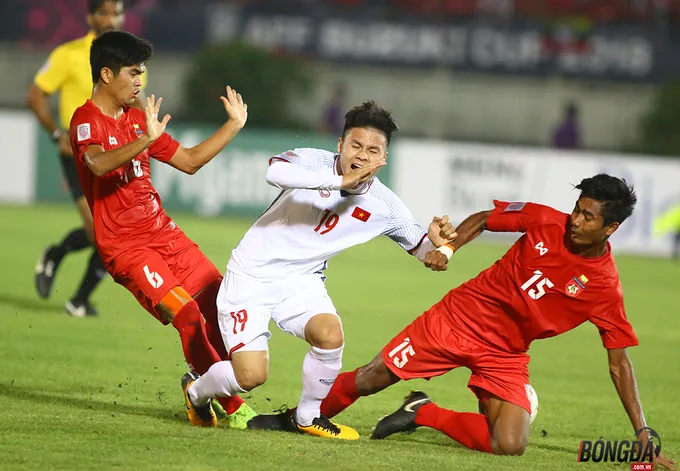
{"x": 559, "y": 274}
{"x": 141, "y": 246}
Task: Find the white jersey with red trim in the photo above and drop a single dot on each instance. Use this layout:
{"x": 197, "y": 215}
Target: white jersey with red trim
{"x": 312, "y": 220}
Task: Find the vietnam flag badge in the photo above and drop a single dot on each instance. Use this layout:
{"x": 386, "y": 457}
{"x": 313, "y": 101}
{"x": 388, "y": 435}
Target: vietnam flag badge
{"x": 361, "y": 214}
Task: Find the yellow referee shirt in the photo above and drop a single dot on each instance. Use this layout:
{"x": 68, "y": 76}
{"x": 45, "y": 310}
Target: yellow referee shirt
{"x": 68, "y": 70}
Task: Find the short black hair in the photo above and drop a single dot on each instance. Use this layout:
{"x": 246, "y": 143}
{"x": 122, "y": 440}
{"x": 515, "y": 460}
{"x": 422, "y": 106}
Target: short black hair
{"x": 616, "y": 196}
{"x": 118, "y": 49}
{"x": 370, "y": 115}
{"x": 94, "y": 5}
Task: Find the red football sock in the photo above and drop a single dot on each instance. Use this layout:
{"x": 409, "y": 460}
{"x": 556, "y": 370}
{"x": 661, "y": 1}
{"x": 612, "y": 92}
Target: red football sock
{"x": 342, "y": 395}
{"x": 230, "y": 403}
{"x": 467, "y": 428}
{"x": 207, "y": 303}
{"x": 197, "y": 349}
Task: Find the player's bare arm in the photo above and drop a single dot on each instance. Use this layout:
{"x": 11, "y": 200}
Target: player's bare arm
{"x": 468, "y": 230}
{"x": 621, "y": 371}
{"x": 440, "y": 232}
{"x": 191, "y": 160}
{"x": 36, "y": 99}
{"x": 471, "y": 228}
{"x": 101, "y": 162}
{"x": 290, "y": 176}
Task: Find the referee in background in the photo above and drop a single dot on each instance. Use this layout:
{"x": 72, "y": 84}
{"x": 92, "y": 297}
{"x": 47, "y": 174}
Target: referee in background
{"x": 67, "y": 71}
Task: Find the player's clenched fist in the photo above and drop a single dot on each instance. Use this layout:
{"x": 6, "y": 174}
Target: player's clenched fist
{"x": 441, "y": 231}
{"x": 236, "y": 109}
{"x": 436, "y": 261}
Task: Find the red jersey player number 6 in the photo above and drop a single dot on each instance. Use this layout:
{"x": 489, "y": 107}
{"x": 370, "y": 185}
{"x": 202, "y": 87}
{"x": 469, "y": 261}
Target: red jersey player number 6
{"x": 141, "y": 246}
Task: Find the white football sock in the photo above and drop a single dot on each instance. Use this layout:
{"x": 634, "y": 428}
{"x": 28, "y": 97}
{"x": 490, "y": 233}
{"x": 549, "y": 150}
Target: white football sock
{"x": 218, "y": 381}
{"x": 319, "y": 370}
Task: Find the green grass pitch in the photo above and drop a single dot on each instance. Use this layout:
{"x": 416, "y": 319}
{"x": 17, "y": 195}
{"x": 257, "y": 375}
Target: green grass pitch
{"x": 103, "y": 393}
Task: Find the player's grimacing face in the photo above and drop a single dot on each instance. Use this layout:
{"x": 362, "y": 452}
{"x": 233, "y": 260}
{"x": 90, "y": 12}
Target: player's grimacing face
{"x": 108, "y": 17}
{"x": 586, "y": 224}
{"x": 361, "y": 146}
{"x": 127, "y": 85}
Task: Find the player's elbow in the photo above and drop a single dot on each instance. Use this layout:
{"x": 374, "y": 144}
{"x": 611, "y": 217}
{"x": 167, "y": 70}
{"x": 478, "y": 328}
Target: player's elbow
{"x": 97, "y": 171}
{"x": 271, "y": 176}
{"x": 189, "y": 169}
{"x": 94, "y": 167}
{"x": 277, "y": 177}
{"x": 190, "y": 162}
{"x": 484, "y": 217}
{"x": 33, "y": 96}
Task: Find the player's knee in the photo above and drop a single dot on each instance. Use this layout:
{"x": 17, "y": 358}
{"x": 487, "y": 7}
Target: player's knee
{"x": 251, "y": 369}
{"x": 332, "y": 338}
{"x": 325, "y": 332}
{"x": 249, "y": 379}
{"x": 511, "y": 443}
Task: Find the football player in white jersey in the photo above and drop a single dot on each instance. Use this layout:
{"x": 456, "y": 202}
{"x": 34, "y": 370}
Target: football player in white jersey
{"x": 328, "y": 203}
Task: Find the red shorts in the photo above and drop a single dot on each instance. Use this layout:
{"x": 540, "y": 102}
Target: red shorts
{"x": 430, "y": 347}
{"x": 152, "y": 270}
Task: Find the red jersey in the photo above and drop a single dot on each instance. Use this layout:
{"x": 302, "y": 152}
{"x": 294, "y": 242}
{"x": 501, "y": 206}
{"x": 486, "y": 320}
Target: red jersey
{"x": 539, "y": 289}
{"x": 125, "y": 206}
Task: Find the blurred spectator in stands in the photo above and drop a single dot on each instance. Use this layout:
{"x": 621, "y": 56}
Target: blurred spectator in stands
{"x": 567, "y": 134}
{"x": 333, "y": 115}
{"x": 498, "y": 8}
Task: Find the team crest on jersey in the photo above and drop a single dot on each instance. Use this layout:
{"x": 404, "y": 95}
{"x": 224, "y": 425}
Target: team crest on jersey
{"x": 514, "y": 207}
{"x": 576, "y": 285}
{"x": 324, "y": 193}
{"x": 84, "y": 132}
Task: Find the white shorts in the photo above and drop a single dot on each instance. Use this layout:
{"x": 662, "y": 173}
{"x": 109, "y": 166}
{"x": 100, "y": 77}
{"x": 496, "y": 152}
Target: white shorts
{"x": 245, "y": 305}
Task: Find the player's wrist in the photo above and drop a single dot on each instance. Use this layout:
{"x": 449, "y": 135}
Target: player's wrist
{"x": 347, "y": 183}
{"x": 447, "y": 249}
{"x": 336, "y": 182}
{"x": 56, "y": 135}
{"x": 236, "y": 123}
